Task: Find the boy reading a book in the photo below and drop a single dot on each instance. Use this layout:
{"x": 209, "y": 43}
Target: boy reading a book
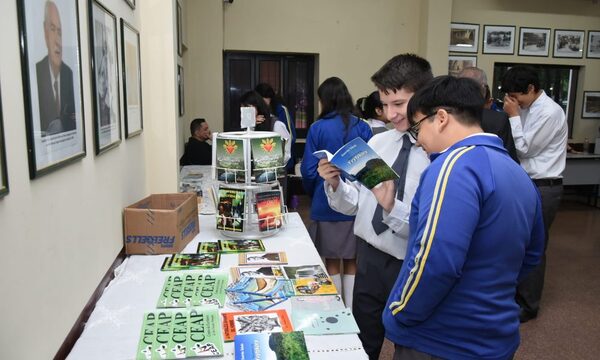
{"x": 382, "y": 231}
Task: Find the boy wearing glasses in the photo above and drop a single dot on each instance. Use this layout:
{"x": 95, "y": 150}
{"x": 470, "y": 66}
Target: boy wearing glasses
{"x": 476, "y": 229}
{"x": 381, "y": 227}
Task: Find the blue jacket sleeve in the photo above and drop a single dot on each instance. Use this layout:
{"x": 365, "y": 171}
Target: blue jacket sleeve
{"x": 535, "y": 248}
{"x": 310, "y": 162}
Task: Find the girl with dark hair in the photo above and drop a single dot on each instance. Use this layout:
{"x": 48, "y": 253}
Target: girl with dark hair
{"x": 332, "y": 232}
{"x": 372, "y": 110}
{"x": 263, "y": 115}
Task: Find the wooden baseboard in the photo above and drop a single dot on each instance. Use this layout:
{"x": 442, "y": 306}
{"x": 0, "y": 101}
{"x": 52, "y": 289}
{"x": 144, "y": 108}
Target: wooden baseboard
{"x": 77, "y": 328}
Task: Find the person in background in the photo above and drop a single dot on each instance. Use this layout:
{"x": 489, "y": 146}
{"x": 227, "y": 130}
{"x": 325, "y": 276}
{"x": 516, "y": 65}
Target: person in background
{"x": 495, "y": 122}
{"x": 539, "y": 128}
{"x": 197, "y": 150}
{"x": 331, "y": 231}
{"x": 476, "y": 229}
{"x": 283, "y": 123}
{"x": 382, "y": 231}
{"x": 264, "y": 121}
{"x": 372, "y": 110}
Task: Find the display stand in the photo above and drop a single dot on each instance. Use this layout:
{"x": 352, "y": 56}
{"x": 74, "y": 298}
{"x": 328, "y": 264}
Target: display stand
{"x": 239, "y": 169}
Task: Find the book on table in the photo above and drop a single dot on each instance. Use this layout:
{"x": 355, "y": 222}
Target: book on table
{"x": 271, "y": 346}
{"x": 242, "y": 245}
{"x": 322, "y": 315}
{"x": 263, "y": 258}
{"x": 193, "y": 288}
{"x": 191, "y": 261}
{"x": 253, "y": 322}
{"x": 256, "y": 271}
{"x": 359, "y": 162}
{"x": 310, "y": 280}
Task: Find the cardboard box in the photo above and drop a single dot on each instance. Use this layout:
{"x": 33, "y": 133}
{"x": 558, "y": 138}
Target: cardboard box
{"x": 160, "y": 224}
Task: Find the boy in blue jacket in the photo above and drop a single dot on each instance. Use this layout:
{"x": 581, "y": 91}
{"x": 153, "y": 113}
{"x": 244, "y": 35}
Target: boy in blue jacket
{"x": 475, "y": 229}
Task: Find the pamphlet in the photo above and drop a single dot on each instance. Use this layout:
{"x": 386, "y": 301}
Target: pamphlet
{"x": 359, "y": 162}
{"x": 191, "y": 261}
{"x": 268, "y": 209}
{"x": 193, "y": 289}
{"x": 263, "y": 258}
{"x": 256, "y": 271}
{"x": 230, "y": 209}
{"x": 208, "y": 247}
{"x": 273, "y": 346}
{"x": 324, "y": 322}
{"x": 243, "y": 245}
{"x": 253, "y": 322}
{"x": 258, "y": 294}
{"x": 230, "y": 161}
{"x": 267, "y": 158}
{"x": 310, "y": 280}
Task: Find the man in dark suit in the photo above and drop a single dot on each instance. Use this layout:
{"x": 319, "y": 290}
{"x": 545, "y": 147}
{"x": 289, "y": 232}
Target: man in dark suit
{"x": 494, "y": 122}
{"x": 54, "y": 79}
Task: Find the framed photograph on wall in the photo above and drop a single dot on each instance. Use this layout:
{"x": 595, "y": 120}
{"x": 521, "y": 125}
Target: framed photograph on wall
{"x": 105, "y": 77}
{"x": 131, "y": 3}
{"x": 498, "y": 39}
{"x": 568, "y": 43}
{"x": 457, "y": 63}
{"x": 180, "y": 90}
{"x": 3, "y": 173}
{"x": 591, "y": 105}
{"x": 52, "y": 85}
{"x": 463, "y": 37}
{"x": 179, "y": 30}
{"x": 593, "y": 45}
{"x": 534, "y": 41}
{"x": 132, "y": 79}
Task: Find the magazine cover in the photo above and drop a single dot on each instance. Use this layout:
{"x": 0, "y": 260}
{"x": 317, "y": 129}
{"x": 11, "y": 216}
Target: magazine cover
{"x": 266, "y": 258}
{"x": 256, "y": 271}
{"x": 273, "y": 346}
{"x": 253, "y": 322}
{"x": 230, "y": 209}
{"x": 244, "y": 245}
{"x": 267, "y": 158}
{"x": 208, "y": 247}
{"x": 193, "y": 289}
{"x": 310, "y": 280}
{"x": 324, "y": 322}
{"x": 303, "y": 271}
{"x": 268, "y": 209}
{"x": 180, "y": 334}
{"x": 230, "y": 160}
{"x": 359, "y": 162}
{"x": 191, "y": 261}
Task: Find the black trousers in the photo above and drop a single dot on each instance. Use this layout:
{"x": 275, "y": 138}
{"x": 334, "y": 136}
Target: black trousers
{"x": 376, "y": 273}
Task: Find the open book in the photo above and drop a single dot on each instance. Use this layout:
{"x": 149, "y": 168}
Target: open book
{"x": 359, "y": 162}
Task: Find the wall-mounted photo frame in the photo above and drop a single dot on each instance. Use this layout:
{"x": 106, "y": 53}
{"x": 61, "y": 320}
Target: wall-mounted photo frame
{"x": 180, "y": 90}
{"x": 132, "y": 79}
{"x": 52, "y": 85}
{"x": 105, "y": 77}
{"x": 591, "y": 105}
{"x": 498, "y": 39}
{"x": 593, "y": 45}
{"x": 131, "y": 3}
{"x": 179, "y": 30}
{"x": 463, "y": 37}
{"x": 3, "y": 171}
{"x": 457, "y": 63}
{"x": 568, "y": 43}
{"x": 534, "y": 41}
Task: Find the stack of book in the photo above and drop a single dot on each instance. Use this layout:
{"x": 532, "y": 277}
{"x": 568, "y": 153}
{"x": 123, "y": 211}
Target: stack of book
{"x": 193, "y": 289}
{"x": 258, "y": 293}
{"x": 178, "y": 262}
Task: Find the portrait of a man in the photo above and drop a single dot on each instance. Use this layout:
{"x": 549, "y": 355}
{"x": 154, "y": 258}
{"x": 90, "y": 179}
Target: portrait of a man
{"x": 54, "y": 79}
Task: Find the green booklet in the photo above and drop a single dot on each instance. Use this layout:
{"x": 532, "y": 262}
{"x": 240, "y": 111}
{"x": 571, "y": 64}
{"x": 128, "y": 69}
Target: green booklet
{"x": 191, "y": 261}
{"x": 208, "y": 247}
{"x": 193, "y": 289}
{"x": 230, "y": 160}
{"x": 239, "y": 246}
{"x": 180, "y": 334}
{"x": 267, "y": 158}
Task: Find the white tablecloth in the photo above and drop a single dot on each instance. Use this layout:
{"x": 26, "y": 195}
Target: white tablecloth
{"x": 113, "y": 329}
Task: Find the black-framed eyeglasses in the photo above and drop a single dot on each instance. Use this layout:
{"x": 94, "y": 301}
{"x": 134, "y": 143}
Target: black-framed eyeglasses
{"x": 413, "y": 130}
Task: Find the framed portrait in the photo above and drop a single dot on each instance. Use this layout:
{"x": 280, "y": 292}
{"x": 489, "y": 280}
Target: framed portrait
{"x": 457, "y": 63}
{"x": 498, "y": 39}
{"x": 568, "y": 43}
{"x": 180, "y": 89}
{"x": 591, "y": 105}
{"x": 131, "y": 3}
{"x": 179, "y": 30}
{"x": 52, "y": 86}
{"x": 3, "y": 173}
{"x": 593, "y": 45}
{"x": 105, "y": 77}
{"x": 534, "y": 41}
{"x": 463, "y": 37}
{"x": 132, "y": 79}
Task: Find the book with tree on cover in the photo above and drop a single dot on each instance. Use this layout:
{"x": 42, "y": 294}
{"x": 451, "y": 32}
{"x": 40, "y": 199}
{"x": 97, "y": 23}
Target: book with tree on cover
{"x": 359, "y": 162}
{"x": 267, "y": 158}
{"x": 252, "y": 322}
{"x": 193, "y": 289}
{"x": 191, "y": 261}
{"x": 230, "y": 209}
{"x": 266, "y": 258}
{"x": 271, "y": 346}
{"x": 208, "y": 247}
{"x": 180, "y": 334}
{"x": 243, "y": 245}
{"x": 230, "y": 159}
{"x": 256, "y": 271}
{"x": 268, "y": 209}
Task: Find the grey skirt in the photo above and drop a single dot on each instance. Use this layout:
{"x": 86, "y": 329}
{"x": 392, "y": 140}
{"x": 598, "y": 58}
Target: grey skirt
{"x": 334, "y": 239}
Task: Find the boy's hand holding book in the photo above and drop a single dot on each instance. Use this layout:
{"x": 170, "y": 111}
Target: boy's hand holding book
{"x": 385, "y": 193}
{"x": 329, "y": 172}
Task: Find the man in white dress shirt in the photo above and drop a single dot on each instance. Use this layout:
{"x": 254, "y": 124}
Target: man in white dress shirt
{"x": 382, "y": 232}
{"x": 540, "y": 132}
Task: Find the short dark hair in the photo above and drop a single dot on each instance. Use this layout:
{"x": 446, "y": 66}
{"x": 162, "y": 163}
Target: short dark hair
{"x": 195, "y": 124}
{"x": 407, "y": 71}
{"x": 518, "y": 78}
{"x": 461, "y": 96}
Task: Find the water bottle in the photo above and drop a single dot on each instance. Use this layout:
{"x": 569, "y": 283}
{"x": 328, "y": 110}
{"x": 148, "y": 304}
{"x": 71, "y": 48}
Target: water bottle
{"x": 586, "y": 145}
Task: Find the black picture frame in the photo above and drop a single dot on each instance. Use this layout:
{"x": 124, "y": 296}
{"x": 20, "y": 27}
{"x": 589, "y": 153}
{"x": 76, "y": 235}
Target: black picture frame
{"x": 105, "y": 77}
{"x": 464, "y": 37}
{"x": 179, "y": 29}
{"x": 53, "y": 99}
{"x": 568, "y": 43}
{"x": 131, "y": 4}
{"x": 534, "y": 41}
{"x": 132, "y": 80}
{"x": 3, "y": 171}
{"x": 498, "y": 39}
{"x": 593, "y": 45}
{"x": 590, "y": 106}
{"x": 180, "y": 90}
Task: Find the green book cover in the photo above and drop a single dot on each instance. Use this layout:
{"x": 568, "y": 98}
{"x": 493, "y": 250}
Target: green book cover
{"x": 204, "y": 332}
{"x": 172, "y": 293}
{"x": 231, "y": 209}
{"x": 210, "y": 288}
{"x": 147, "y": 336}
{"x": 208, "y": 247}
{"x": 163, "y": 300}
{"x": 160, "y": 345}
{"x": 230, "y": 160}
{"x": 192, "y": 261}
{"x": 267, "y": 158}
{"x": 239, "y": 246}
